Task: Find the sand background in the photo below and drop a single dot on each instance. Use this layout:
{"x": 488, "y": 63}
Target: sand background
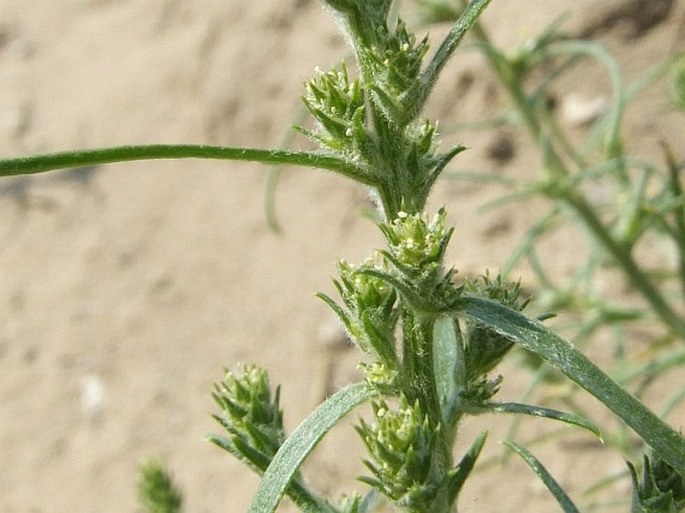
{"x": 126, "y": 289}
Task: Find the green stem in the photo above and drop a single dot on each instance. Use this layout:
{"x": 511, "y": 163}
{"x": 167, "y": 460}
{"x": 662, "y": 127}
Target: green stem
{"x": 509, "y": 79}
{"x": 419, "y": 370}
{"x": 417, "y": 360}
{"x": 678, "y": 212}
{"x": 625, "y": 259}
{"x": 69, "y": 159}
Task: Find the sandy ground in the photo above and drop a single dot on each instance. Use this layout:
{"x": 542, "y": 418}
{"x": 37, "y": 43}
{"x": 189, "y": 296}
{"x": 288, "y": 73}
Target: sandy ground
{"x": 125, "y": 290}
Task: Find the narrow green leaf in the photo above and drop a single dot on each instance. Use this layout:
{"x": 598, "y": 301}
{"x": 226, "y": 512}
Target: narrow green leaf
{"x": 68, "y": 159}
{"x": 371, "y": 501}
{"x": 226, "y": 444}
{"x": 156, "y": 490}
{"x": 303, "y": 440}
{"x": 465, "y": 466}
{"x": 443, "y": 160}
{"x": 342, "y": 315}
{"x": 635, "y": 506}
{"x": 548, "y": 413}
{"x": 559, "y": 494}
{"x": 535, "y": 337}
{"x": 448, "y": 364}
{"x": 467, "y": 19}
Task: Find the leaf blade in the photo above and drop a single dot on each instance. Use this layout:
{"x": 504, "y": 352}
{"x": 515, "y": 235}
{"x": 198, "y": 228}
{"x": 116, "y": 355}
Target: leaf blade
{"x": 460, "y": 28}
{"x": 448, "y": 363}
{"x": 302, "y": 441}
{"x": 535, "y": 337}
{"x": 548, "y": 413}
{"x": 555, "y": 488}
{"x": 68, "y": 159}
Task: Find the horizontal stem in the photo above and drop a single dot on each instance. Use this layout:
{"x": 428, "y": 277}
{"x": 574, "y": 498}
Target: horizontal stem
{"x": 79, "y": 158}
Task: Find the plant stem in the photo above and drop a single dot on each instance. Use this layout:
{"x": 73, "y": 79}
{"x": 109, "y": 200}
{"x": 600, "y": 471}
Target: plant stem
{"x": 69, "y": 159}
{"x": 625, "y": 259}
{"x": 678, "y": 212}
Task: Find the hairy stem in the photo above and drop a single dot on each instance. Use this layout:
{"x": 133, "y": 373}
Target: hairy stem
{"x": 69, "y": 159}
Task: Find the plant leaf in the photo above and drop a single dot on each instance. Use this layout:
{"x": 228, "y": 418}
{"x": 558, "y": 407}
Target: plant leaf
{"x": 448, "y": 364}
{"x": 68, "y": 159}
{"x": 548, "y": 413}
{"x": 465, "y": 466}
{"x": 535, "y": 337}
{"x": 303, "y": 440}
{"x": 559, "y": 494}
{"x": 460, "y": 28}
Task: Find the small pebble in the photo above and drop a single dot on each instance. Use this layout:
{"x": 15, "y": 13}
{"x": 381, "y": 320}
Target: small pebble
{"x": 15, "y": 121}
{"x": 331, "y": 335}
{"x": 577, "y": 110}
{"x": 92, "y": 395}
{"x": 501, "y": 149}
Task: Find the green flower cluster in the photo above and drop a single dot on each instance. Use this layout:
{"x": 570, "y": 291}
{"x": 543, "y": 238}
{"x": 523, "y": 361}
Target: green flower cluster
{"x": 661, "y": 489}
{"x": 370, "y": 312}
{"x": 417, "y": 250}
{"x": 156, "y": 491}
{"x": 251, "y": 416}
{"x": 485, "y": 348}
{"x": 401, "y": 443}
{"x": 401, "y": 308}
{"x": 370, "y": 121}
{"x": 338, "y": 104}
